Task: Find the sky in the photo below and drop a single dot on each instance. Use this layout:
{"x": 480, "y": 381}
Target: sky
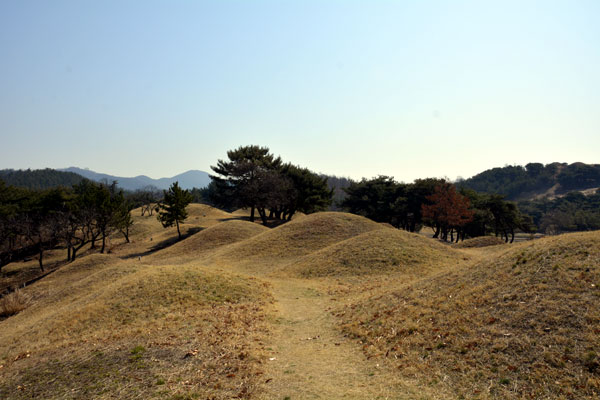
{"x": 409, "y": 89}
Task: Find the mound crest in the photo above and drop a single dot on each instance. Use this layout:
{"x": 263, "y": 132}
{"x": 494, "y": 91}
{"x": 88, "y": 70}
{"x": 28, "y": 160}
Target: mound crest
{"x": 377, "y": 251}
{"x": 299, "y": 237}
{"x": 524, "y": 325}
{"x": 482, "y": 241}
{"x": 210, "y": 239}
{"x": 204, "y": 212}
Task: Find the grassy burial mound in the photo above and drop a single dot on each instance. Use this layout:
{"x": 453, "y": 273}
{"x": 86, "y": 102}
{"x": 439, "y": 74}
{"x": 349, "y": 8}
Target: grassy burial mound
{"x": 482, "y": 241}
{"x": 147, "y": 235}
{"x": 116, "y": 329}
{"x": 199, "y": 215}
{"x": 205, "y": 215}
{"x": 209, "y": 239}
{"x": 299, "y": 237}
{"x": 378, "y": 251}
{"x": 523, "y": 325}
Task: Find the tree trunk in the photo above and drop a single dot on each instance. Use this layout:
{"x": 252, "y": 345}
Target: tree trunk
{"x": 178, "y": 231}
{"x": 40, "y": 259}
{"x": 452, "y": 235}
{"x": 437, "y": 232}
{"x": 512, "y": 235}
{"x": 263, "y": 215}
{"x": 103, "y": 242}
{"x": 252, "y": 214}
{"x": 126, "y": 234}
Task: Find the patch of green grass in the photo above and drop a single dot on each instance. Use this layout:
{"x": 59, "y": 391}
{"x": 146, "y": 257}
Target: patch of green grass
{"x": 137, "y": 352}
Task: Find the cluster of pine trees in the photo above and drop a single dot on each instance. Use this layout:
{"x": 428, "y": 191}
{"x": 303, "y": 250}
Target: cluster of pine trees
{"x": 254, "y": 178}
{"x": 452, "y": 213}
{"x": 33, "y": 221}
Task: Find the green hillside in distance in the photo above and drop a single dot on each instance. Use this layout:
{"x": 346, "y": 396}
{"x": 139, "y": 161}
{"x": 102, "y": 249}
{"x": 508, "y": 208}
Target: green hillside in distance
{"x": 535, "y": 180}
{"x": 39, "y": 179}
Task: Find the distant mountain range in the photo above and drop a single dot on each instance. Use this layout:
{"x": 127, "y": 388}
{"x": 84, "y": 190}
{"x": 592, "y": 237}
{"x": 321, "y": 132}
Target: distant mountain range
{"x": 47, "y": 178}
{"x": 531, "y": 181}
{"x": 187, "y": 180}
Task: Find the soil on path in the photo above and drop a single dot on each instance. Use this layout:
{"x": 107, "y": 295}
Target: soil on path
{"x": 308, "y": 356}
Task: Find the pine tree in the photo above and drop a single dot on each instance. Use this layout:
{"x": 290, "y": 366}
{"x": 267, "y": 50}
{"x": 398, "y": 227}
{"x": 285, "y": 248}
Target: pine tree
{"x": 245, "y": 176}
{"x": 172, "y": 208}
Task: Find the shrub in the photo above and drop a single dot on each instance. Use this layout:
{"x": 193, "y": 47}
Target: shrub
{"x": 13, "y": 303}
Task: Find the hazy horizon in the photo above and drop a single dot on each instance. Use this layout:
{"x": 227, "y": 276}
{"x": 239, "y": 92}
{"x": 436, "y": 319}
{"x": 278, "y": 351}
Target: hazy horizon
{"x": 209, "y": 171}
{"x": 346, "y": 88}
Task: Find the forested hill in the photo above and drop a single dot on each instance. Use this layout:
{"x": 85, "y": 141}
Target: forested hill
{"x": 39, "y": 179}
{"x": 535, "y": 180}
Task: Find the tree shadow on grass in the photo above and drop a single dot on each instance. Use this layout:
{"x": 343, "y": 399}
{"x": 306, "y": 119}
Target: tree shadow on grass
{"x": 271, "y": 223}
{"x": 164, "y": 244}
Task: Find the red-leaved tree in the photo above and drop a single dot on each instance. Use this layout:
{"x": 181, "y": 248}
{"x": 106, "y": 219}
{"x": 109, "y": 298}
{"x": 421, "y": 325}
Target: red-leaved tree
{"x": 448, "y": 212}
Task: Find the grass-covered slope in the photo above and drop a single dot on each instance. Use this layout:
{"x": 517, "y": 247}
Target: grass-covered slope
{"x": 378, "y": 251}
{"x": 106, "y": 328}
{"x": 299, "y": 237}
{"x": 209, "y": 239}
{"x": 525, "y": 324}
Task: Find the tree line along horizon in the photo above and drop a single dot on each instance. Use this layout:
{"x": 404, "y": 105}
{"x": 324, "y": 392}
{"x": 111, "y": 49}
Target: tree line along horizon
{"x": 34, "y": 221}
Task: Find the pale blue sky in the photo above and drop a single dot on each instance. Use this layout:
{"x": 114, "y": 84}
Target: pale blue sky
{"x": 355, "y": 88}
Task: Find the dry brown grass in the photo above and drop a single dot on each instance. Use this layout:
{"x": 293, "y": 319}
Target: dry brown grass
{"x": 147, "y": 235}
{"x": 13, "y": 303}
{"x": 272, "y": 249}
{"x": 105, "y": 328}
{"x": 525, "y": 324}
{"x": 434, "y": 321}
{"x": 210, "y": 239}
{"x": 378, "y": 251}
{"x": 15, "y": 274}
{"x": 481, "y": 241}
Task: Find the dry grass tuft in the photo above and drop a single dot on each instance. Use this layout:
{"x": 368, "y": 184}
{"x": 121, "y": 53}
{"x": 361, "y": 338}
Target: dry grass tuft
{"x": 378, "y": 251}
{"x": 482, "y": 241}
{"x": 523, "y": 325}
{"x": 13, "y": 303}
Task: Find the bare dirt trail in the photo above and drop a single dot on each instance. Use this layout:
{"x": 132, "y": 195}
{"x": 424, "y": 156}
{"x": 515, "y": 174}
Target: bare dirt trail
{"x": 310, "y": 359}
